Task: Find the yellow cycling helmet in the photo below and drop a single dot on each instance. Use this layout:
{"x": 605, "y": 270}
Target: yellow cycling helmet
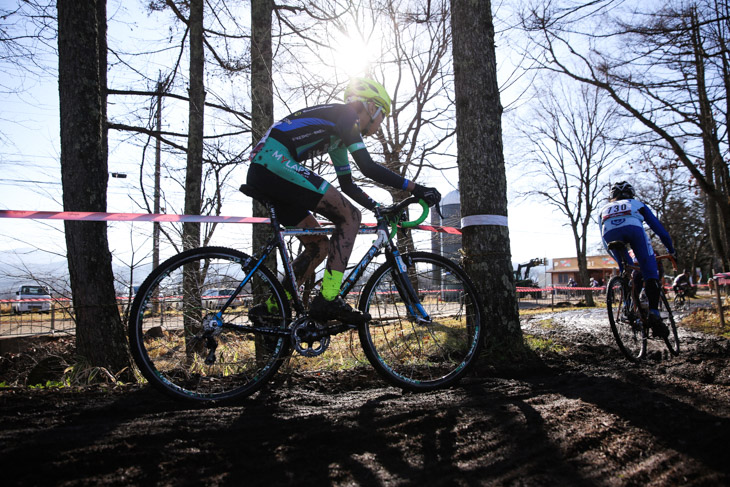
{"x": 364, "y": 89}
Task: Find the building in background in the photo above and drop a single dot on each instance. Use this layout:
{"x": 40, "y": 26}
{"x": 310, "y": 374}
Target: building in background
{"x": 443, "y": 243}
{"x": 600, "y": 267}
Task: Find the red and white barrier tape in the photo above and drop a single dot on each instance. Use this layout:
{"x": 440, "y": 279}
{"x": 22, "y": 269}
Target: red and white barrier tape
{"x": 559, "y": 288}
{"x": 208, "y": 298}
{"x": 163, "y": 217}
{"x": 126, "y": 217}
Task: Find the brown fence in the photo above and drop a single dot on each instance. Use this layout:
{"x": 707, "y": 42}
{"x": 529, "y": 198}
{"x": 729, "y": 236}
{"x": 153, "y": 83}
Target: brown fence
{"x": 557, "y": 297}
{"x": 59, "y": 319}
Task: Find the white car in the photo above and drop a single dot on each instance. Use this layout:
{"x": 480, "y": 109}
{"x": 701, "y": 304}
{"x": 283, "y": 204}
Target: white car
{"x": 32, "y": 298}
{"x": 215, "y": 298}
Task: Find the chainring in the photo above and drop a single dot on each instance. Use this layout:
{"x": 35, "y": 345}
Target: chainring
{"x": 305, "y": 334}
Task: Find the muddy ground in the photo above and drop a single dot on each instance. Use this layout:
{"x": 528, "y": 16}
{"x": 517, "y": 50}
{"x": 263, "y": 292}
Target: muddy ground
{"x": 579, "y": 415}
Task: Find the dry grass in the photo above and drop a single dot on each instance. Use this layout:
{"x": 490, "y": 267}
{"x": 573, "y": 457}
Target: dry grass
{"x": 708, "y": 321}
{"x": 344, "y": 353}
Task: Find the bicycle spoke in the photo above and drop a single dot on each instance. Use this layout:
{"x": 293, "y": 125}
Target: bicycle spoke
{"x": 627, "y": 328}
{"x": 421, "y": 354}
{"x": 174, "y": 332}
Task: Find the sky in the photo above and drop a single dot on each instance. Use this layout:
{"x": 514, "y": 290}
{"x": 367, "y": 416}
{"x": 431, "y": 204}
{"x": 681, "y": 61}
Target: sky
{"x": 30, "y": 180}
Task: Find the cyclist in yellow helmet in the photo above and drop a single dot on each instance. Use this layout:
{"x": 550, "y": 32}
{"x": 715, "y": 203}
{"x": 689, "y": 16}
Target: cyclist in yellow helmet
{"x": 334, "y": 129}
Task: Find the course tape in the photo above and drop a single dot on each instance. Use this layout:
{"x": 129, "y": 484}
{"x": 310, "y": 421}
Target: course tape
{"x": 163, "y": 217}
{"x": 521, "y": 289}
{"x": 126, "y": 217}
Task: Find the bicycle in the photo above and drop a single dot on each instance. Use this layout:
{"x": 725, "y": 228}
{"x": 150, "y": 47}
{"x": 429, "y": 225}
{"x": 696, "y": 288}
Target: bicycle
{"x": 628, "y": 317}
{"x": 425, "y": 332}
{"x": 680, "y": 298}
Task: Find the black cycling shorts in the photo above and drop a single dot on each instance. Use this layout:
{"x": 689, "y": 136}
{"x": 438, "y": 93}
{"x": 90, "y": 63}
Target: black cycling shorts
{"x": 292, "y": 202}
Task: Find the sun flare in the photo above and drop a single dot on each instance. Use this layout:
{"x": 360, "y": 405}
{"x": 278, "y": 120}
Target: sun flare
{"x": 354, "y": 55}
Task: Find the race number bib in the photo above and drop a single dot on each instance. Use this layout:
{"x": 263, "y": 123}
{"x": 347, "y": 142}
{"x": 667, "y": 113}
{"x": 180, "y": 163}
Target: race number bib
{"x": 619, "y": 209}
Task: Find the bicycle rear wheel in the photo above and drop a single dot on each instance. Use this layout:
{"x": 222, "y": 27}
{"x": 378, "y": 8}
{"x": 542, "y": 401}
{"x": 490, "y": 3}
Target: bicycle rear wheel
{"x": 173, "y": 330}
{"x": 628, "y": 330}
{"x": 672, "y": 341}
{"x": 422, "y": 356}
{"x": 679, "y": 301}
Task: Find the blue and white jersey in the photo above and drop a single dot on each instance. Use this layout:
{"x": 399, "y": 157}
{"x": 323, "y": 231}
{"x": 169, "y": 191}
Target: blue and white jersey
{"x": 631, "y": 212}
{"x": 621, "y": 213}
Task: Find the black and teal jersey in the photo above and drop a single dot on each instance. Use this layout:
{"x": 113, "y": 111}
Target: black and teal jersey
{"x": 335, "y": 130}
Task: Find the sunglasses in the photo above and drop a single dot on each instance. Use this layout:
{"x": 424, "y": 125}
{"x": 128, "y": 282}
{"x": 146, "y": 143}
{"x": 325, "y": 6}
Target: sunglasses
{"x": 377, "y": 112}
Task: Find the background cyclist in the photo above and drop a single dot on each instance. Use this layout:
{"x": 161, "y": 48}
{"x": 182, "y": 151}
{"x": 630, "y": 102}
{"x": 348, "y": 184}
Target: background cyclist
{"x": 622, "y": 220}
{"x": 337, "y": 130}
{"x": 683, "y": 283}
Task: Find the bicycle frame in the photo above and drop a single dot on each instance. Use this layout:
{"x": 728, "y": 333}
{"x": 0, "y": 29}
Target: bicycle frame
{"x": 628, "y": 268}
{"x": 200, "y": 351}
{"x": 383, "y": 240}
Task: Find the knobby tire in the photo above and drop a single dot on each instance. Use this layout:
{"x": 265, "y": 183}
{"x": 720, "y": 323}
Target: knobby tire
{"x": 422, "y": 356}
{"x": 672, "y": 341}
{"x": 630, "y": 334}
{"x": 166, "y": 327}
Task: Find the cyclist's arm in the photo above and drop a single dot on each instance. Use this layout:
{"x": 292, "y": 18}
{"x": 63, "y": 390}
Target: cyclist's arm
{"x": 348, "y": 186}
{"x": 657, "y": 227}
{"x": 344, "y": 178}
{"x": 372, "y": 170}
{"x": 349, "y": 131}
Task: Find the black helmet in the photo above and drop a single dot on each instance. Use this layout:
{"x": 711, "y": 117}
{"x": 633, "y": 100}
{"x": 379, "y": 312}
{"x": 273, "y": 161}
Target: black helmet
{"x": 622, "y": 191}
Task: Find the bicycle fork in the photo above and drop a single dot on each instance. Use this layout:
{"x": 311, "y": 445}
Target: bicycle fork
{"x": 405, "y": 288}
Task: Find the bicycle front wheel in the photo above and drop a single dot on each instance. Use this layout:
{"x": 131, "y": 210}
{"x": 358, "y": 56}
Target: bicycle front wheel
{"x": 175, "y": 331}
{"x": 627, "y": 329}
{"x": 672, "y": 341}
{"x": 422, "y": 355}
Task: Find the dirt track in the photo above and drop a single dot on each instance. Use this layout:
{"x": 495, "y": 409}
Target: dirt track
{"x": 579, "y": 416}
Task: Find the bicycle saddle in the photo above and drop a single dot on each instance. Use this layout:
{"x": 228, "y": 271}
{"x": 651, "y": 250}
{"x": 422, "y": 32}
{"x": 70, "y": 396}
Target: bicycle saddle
{"x": 254, "y": 193}
{"x": 617, "y": 245}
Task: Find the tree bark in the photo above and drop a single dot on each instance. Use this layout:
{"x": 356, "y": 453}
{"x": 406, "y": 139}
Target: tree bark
{"x": 194, "y": 174}
{"x": 100, "y": 336}
{"x": 194, "y": 171}
{"x": 482, "y": 178}
{"x": 262, "y": 117}
{"x": 262, "y": 94}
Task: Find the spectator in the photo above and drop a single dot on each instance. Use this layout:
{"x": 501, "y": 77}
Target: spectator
{"x": 572, "y": 283}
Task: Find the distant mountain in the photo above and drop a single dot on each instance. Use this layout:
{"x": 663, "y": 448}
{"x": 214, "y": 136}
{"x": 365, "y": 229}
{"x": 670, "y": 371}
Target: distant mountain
{"x": 30, "y": 266}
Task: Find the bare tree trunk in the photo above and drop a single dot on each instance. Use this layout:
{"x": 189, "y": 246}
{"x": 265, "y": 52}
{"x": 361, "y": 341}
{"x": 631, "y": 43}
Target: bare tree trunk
{"x": 194, "y": 174}
{"x": 262, "y": 93}
{"x": 582, "y": 253}
{"x": 262, "y": 117}
{"x": 715, "y": 167}
{"x": 583, "y": 278}
{"x": 100, "y": 336}
{"x": 481, "y": 169}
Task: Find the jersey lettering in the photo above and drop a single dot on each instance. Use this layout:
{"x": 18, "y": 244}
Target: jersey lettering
{"x": 620, "y": 213}
{"x": 279, "y": 157}
{"x": 614, "y": 211}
